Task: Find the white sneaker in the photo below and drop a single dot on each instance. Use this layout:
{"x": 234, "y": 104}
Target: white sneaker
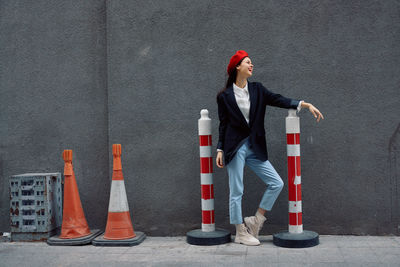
{"x": 254, "y": 224}
{"x": 244, "y": 237}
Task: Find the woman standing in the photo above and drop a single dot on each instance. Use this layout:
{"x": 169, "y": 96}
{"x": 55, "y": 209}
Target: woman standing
{"x": 241, "y": 111}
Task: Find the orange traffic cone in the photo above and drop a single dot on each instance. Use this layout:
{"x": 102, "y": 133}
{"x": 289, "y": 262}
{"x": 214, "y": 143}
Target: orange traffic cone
{"x": 119, "y": 229}
{"x": 74, "y": 229}
{"x": 119, "y": 225}
{"x": 74, "y": 222}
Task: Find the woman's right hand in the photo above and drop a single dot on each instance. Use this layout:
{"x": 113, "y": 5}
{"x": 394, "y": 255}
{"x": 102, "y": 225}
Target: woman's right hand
{"x": 219, "y": 159}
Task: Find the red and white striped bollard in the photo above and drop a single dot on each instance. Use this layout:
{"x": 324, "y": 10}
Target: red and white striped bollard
{"x": 295, "y": 237}
{"x": 208, "y": 234}
{"x": 206, "y": 171}
{"x": 294, "y": 172}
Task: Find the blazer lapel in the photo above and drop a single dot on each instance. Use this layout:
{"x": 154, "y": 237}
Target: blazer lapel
{"x": 233, "y": 104}
{"x": 253, "y": 100}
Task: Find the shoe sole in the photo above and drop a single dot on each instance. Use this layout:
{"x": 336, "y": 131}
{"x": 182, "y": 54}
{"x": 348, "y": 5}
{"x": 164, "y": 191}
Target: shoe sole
{"x": 239, "y": 242}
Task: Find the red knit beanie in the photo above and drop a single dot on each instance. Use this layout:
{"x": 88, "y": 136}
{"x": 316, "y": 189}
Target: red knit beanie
{"x": 235, "y": 59}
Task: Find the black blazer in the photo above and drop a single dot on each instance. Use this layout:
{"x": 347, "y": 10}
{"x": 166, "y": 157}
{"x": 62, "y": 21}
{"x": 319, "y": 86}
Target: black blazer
{"x": 233, "y": 127}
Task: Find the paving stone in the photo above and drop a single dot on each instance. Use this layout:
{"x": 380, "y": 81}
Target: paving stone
{"x": 379, "y": 241}
{"x": 330, "y": 264}
{"x": 231, "y": 249}
{"x": 321, "y": 254}
{"x": 388, "y": 255}
{"x": 353, "y": 242}
{"x": 369, "y": 264}
{"x": 229, "y": 260}
{"x": 201, "y": 249}
{"x": 392, "y": 250}
{"x": 288, "y": 255}
{"x": 263, "y": 251}
{"x": 293, "y": 264}
{"x": 359, "y": 255}
{"x": 261, "y": 260}
{"x": 111, "y": 250}
{"x": 327, "y": 242}
{"x": 140, "y": 250}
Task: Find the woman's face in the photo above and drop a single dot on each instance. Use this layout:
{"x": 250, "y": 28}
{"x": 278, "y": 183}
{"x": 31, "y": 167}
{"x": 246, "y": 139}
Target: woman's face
{"x": 245, "y": 69}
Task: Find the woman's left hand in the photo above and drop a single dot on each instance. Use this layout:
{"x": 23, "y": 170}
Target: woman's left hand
{"x": 317, "y": 114}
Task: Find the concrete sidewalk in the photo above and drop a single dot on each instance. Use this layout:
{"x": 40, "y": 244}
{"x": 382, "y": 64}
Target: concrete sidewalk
{"x": 174, "y": 251}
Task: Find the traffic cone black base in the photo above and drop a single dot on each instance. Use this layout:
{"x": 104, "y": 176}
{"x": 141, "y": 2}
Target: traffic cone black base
{"x": 56, "y": 241}
{"x": 100, "y": 241}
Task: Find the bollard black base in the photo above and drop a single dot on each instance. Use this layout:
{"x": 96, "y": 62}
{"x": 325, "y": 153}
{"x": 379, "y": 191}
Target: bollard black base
{"x": 56, "y": 241}
{"x": 303, "y": 240}
{"x": 200, "y": 238}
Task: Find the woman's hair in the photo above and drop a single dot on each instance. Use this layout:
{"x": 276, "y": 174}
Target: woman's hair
{"x": 231, "y": 78}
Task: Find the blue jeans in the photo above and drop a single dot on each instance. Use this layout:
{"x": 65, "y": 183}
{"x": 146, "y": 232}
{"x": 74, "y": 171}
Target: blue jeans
{"x": 263, "y": 169}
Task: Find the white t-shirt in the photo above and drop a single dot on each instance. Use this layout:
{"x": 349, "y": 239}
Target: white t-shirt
{"x": 243, "y": 100}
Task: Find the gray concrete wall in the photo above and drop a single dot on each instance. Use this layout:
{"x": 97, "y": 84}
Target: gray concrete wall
{"x": 53, "y": 96}
{"x": 165, "y": 61}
